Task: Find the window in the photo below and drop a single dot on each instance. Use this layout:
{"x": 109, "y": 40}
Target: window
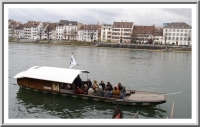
{"x": 174, "y": 30}
{"x": 165, "y": 30}
{"x": 177, "y": 30}
{"x": 180, "y": 38}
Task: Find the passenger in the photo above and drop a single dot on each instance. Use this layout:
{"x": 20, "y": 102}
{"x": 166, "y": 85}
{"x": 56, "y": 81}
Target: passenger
{"x": 109, "y": 86}
{"x": 122, "y": 91}
{"x": 90, "y": 91}
{"x": 95, "y": 85}
{"x": 78, "y": 81}
{"x": 106, "y": 92}
{"x": 68, "y": 86}
{"x": 85, "y": 89}
{"x": 89, "y": 83}
{"x": 115, "y": 92}
{"x": 102, "y": 84}
{"x": 73, "y": 86}
{"x": 99, "y": 91}
{"x": 78, "y": 90}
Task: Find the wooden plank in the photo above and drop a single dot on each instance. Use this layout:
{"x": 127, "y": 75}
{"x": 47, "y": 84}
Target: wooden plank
{"x": 145, "y": 97}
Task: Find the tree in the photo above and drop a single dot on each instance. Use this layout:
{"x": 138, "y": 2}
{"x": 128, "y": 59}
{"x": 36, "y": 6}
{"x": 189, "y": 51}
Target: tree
{"x": 47, "y": 31}
{"x": 133, "y": 37}
{"x": 65, "y": 32}
{"x": 150, "y": 41}
{"x": 92, "y": 32}
{"x": 189, "y": 38}
{"x": 73, "y": 32}
{"x": 40, "y": 32}
{"x": 165, "y": 39}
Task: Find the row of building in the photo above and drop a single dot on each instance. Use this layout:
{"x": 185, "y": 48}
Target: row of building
{"x": 177, "y": 33}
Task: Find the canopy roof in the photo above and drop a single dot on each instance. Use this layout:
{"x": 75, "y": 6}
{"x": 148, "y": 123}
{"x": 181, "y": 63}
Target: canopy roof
{"x": 64, "y": 75}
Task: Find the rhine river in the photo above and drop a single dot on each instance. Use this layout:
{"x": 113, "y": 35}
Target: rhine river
{"x": 166, "y": 72}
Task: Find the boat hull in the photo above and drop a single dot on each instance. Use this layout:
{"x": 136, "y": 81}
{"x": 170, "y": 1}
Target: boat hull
{"x": 56, "y": 89}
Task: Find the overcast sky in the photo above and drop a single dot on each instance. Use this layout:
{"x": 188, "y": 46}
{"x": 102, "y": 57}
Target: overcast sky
{"x": 140, "y": 16}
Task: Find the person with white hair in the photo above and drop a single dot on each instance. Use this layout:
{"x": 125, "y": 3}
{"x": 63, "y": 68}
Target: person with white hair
{"x": 99, "y": 91}
{"x": 90, "y": 91}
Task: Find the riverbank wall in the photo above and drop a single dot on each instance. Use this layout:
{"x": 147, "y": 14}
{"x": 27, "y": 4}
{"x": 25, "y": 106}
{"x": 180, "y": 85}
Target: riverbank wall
{"x": 108, "y": 45}
{"x": 145, "y": 46}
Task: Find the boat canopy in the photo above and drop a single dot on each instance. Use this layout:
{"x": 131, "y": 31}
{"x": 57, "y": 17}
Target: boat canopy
{"x": 56, "y": 74}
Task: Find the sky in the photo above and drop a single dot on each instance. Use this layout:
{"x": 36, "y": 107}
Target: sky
{"x": 140, "y": 16}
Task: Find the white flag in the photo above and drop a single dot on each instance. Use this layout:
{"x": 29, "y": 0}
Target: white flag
{"x": 72, "y": 62}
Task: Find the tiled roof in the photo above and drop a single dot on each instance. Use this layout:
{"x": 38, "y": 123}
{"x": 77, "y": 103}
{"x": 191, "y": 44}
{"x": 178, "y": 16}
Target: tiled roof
{"x": 20, "y": 26}
{"x": 122, "y": 24}
{"x": 91, "y": 27}
{"x": 31, "y": 24}
{"x": 158, "y": 32}
{"x": 52, "y": 26}
{"x": 45, "y": 24}
{"x": 178, "y": 25}
{"x": 143, "y": 29}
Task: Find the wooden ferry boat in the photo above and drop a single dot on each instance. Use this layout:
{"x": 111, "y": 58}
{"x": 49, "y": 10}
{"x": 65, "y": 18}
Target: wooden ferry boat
{"x": 50, "y": 79}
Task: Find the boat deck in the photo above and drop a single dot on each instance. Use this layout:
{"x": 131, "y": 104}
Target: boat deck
{"x": 146, "y": 96}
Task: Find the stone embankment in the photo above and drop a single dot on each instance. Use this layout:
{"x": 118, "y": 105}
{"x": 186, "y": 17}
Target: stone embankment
{"x": 109, "y": 45}
{"x": 145, "y": 46}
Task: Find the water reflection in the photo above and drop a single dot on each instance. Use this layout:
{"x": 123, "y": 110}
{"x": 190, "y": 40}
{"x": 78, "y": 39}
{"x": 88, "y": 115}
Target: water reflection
{"x": 66, "y": 107}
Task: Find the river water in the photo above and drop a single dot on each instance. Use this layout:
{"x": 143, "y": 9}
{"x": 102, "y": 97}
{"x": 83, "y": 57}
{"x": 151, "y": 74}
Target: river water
{"x": 166, "y": 72}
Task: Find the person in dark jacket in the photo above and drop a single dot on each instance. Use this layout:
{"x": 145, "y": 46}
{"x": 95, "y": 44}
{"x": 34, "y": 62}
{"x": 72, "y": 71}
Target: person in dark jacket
{"x": 122, "y": 91}
{"x": 102, "y": 84}
{"x": 89, "y": 83}
{"x": 78, "y": 82}
{"x": 109, "y": 86}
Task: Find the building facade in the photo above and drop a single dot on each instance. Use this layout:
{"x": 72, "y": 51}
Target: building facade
{"x": 106, "y": 32}
{"x": 67, "y": 30}
{"x": 89, "y": 33}
{"x": 143, "y": 34}
{"x": 177, "y": 33}
{"x": 33, "y": 30}
{"x": 121, "y": 32}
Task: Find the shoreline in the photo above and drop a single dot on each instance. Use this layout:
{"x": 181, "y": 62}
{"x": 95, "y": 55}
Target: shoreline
{"x": 160, "y": 48}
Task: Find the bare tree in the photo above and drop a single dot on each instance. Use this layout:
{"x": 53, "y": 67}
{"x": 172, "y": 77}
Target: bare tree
{"x": 65, "y": 32}
{"x": 165, "y": 39}
{"x": 73, "y": 33}
{"x": 133, "y": 37}
{"x": 150, "y": 41}
{"x": 189, "y": 38}
{"x": 40, "y": 32}
{"x": 92, "y": 33}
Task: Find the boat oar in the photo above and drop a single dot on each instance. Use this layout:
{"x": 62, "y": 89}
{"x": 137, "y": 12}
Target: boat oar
{"x": 136, "y": 115}
{"x": 172, "y": 111}
{"x": 174, "y": 93}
